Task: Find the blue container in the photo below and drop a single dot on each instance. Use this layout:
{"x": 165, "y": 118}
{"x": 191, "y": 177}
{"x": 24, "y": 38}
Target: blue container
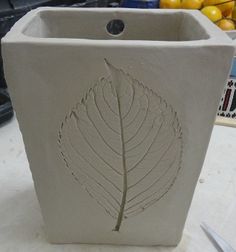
{"x": 142, "y": 4}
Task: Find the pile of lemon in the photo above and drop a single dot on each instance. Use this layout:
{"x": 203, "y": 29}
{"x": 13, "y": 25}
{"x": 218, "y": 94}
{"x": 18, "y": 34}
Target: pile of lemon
{"x": 221, "y": 12}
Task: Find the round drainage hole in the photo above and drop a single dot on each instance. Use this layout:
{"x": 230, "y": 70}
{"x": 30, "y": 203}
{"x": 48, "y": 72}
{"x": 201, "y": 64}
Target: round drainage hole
{"x": 115, "y": 27}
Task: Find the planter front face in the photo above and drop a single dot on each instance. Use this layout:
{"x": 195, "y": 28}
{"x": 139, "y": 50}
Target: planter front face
{"x": 115, "y": 127}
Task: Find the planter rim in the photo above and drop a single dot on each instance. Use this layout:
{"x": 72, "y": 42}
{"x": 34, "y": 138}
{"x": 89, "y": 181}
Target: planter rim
{"x": 215, "y": 35}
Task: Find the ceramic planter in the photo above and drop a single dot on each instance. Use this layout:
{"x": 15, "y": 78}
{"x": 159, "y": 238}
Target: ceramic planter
{"x": 116, "y": 126}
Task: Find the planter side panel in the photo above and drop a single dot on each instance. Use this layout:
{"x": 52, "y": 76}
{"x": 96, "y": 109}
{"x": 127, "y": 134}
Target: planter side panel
{"x": 48, "y": 85}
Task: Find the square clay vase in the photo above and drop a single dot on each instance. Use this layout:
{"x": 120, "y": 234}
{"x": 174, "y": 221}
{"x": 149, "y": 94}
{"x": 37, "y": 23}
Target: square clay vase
{"x": 116, "y": 109}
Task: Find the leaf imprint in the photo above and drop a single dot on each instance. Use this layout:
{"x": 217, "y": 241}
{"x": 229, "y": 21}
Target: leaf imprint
{"x": 123, "y": 143}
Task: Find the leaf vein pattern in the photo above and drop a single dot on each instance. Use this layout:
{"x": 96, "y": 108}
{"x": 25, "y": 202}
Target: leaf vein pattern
{"x": 123, "y": 144}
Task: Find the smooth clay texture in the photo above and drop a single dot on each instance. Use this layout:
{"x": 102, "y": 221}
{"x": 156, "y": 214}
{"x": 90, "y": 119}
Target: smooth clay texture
{"x": 115, "y": 126}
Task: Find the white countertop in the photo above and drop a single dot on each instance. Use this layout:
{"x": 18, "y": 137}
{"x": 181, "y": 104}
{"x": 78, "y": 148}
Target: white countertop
{"x": 214, "y": 202}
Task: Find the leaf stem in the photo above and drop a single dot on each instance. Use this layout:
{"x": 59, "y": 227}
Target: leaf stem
{"x": 115, "y": 82}
{"x": 125, "y": 183}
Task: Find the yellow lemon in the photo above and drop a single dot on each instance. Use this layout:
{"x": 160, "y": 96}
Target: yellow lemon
{"x": 223, "y": 5}
{"x": 226, "y": 24}
{"x": 170, "y": 4}
{"x": 191, "y": 4}
{"x": 212, "y": 12}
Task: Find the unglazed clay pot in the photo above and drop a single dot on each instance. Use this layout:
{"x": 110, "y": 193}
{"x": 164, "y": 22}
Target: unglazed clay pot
{"x": 116, "y": 109}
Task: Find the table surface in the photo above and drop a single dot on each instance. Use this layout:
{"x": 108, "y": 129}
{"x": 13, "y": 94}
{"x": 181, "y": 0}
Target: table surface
{"x": 214, "y": 202}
